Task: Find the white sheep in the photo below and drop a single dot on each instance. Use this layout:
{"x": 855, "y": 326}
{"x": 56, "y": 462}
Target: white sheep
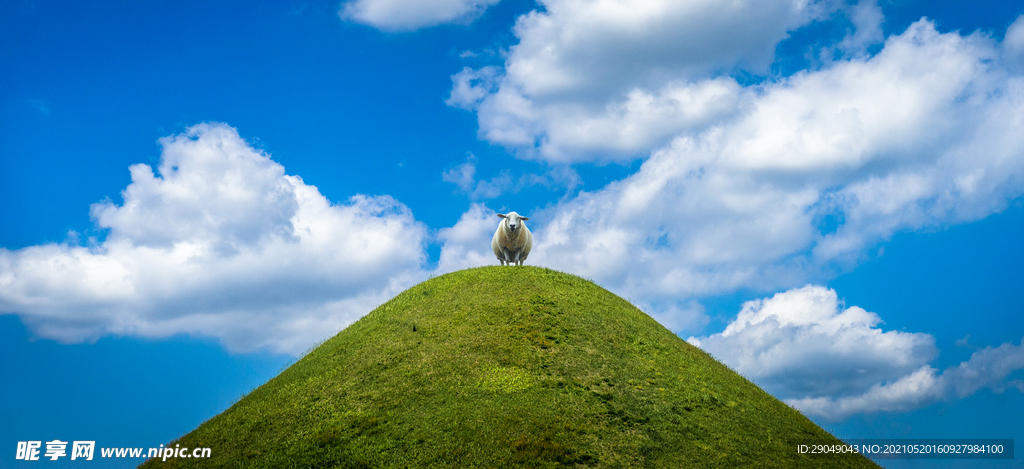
{"x": 512, "y": 240}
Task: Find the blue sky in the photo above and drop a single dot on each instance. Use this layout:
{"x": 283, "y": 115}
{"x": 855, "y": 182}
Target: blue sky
{"x": 825, "y": 195}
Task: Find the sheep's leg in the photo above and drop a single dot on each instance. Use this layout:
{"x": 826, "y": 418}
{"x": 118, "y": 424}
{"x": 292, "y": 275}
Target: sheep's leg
{"x": 507, "y": 260}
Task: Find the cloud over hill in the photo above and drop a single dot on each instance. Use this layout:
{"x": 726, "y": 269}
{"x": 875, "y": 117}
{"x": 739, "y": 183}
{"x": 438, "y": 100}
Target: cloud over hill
{"x": 218, "y": 241}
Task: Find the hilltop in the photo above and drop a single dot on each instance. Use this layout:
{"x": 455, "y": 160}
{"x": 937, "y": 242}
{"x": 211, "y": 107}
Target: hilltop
{"x": 507, "y": 367}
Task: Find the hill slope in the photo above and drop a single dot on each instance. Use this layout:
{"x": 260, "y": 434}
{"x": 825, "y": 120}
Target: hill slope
{"x": 500, "y": 367}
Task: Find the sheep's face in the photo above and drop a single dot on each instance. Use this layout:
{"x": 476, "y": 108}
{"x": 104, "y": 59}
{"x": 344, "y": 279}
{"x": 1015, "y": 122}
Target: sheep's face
{"x": 513, "y": 220}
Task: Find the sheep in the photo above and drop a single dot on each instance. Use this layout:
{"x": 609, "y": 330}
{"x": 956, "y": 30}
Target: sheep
{"x": 512, "y": 240}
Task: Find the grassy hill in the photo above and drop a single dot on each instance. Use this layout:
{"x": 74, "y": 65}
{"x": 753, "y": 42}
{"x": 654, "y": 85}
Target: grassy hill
{"x": 507, "y": 367}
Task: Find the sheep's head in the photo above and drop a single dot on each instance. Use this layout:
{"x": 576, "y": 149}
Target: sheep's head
{"x": 513, "y": 220}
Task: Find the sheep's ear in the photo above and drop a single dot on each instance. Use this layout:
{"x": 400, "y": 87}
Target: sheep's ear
{"x": 501, "y": 215}
{"x": 524, "y": 218}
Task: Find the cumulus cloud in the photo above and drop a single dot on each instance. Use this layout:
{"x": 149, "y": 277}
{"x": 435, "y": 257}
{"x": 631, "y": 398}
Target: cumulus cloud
{"x": 1013, "y": 44}
{"x": 676, "y": 316}
{"x": 470, "y": 86}
{"x": 987, "y": 368}
{"x": 464, "y": 176}
{"x": 803, "y": 342}
{"x": 765, "y": 186}
{"x": 408, "y": 15}
{"x": 584, "y": 47}
{"x": 598, "y": 81}
{"x": 468, "y": 243}
{"x": 220, "y": 242}
{"x": 832, "y": 361}
{"x": 866, "y": 18}
{"x": 813, "y": 172}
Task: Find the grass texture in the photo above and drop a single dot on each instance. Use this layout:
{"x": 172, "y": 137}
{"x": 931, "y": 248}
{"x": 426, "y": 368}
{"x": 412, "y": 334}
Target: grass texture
{"x": 507, "y": 367}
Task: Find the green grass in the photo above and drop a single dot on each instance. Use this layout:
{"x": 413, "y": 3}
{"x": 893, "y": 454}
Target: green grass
{"x": 507, "y": 367}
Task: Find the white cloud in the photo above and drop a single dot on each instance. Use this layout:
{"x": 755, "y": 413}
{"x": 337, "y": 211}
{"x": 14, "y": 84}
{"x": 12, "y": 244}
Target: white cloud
{"x": 468, "y": 243}
{"x": 607, "y": 47}
{"x": 680, "y": 316}
{"x": 867, "y": 19}
{"x": 223, "y": 243}
{"x": 593, "y": 81}
{"x": 815, "y": 171}
{"x": 408, "y": 15}
{"x": 802, "y": 342}
{"x": 470, "y": 86}
{"x": 464, "y": 176}
{"x": 912, "y": 391}
{"x": 571, "y": 132}
{"x": 829, "y": 361}
{"x": 767, "y": 186}
{"x": 987, "y": 368}
{"x": 1013, "y": 41}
